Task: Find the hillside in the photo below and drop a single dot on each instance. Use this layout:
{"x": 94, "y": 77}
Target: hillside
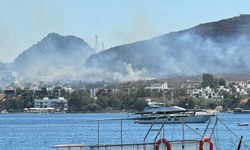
{"x": 219, "y": 47}
{"x": 53, "y": 56}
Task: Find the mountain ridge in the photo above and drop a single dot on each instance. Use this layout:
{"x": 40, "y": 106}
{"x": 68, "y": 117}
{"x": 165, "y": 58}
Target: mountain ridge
{"x": 52, "y": 52}
{"x": 225, "y": 35}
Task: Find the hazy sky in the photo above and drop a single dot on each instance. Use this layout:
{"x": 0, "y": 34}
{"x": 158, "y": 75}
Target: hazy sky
{"x": 25, "y": 22}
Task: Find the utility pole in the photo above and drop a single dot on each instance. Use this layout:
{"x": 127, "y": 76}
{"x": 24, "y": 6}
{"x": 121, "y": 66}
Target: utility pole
{"x": 96, "y": 43}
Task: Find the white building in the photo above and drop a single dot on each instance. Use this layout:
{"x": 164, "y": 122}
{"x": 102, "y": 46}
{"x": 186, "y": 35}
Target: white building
{"x": 68, "y": 89}
{"x": 158, "y": 87}
{"x": 93, "y": 93}
{"x": 248, "y": 85}
{"x": 206, "y": 93}
{"x": 57, "y": 103}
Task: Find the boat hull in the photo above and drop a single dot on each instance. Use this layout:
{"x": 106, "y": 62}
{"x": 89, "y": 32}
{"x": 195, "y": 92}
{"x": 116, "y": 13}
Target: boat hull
{"x": 241, "y": 111}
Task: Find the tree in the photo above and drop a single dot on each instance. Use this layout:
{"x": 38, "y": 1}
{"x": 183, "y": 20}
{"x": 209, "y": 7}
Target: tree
{"x": 59, "y": 92}
{"x": 180, "y": 92}
{"x": 141, "y": 92}
{"x": 207, "y": 80}
{"x": 12, "y": 103}
{"x": 187, "y": 103}
{"x": 140, "y": 104}
{"x": 212, "y": 104}
{"x": 44, "y": 92}
{"x": 221, "y": 82}
{"x": 78, "y": 101}
{"x": 128, "y": 102}
{"x": 103, "y": 101}
{"x": 93, "y": 107}
{"x": 114, "y": 102}
{"x": 27, "y": 97}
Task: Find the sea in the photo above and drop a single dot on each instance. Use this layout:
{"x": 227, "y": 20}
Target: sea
{"x": 29, "y": 131}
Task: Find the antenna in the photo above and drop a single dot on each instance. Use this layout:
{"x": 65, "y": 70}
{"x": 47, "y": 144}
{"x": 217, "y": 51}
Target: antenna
{"x": 102, "y": 46}
{"x": 96, "y": 41}
{"x": 59, "y": 92}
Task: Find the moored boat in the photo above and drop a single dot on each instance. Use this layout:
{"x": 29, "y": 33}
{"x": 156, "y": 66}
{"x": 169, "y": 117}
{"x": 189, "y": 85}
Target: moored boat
{"x": 173, "y": 114}
{"x": 241, "y": 111}
{"x": 242, "y": 124}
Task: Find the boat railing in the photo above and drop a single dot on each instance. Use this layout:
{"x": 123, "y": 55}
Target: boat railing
{"x": 175, "y": 145}
{"x": 143, "y": 146}
{"x": 121, "y": 132}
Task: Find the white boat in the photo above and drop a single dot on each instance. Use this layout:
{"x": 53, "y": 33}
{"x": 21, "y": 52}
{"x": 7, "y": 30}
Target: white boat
{"x": 242, "y": 124}
{"x": 4, "y": 111}
{"x": 173, "y": 114}
{"x": 153, "y": 104}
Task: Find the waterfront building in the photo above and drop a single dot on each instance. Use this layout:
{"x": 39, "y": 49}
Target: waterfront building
{"x": 58, "y": 104}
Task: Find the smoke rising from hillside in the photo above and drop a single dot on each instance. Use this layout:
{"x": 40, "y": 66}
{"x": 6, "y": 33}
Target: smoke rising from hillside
{"x": 185, "y": 54}
{"x": 83, "y": 73}
{"x": 62, "y": 58}
{"x": 218, "y": 48}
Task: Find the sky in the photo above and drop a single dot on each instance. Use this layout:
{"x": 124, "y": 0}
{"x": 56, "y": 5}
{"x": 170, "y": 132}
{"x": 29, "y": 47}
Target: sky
{"x": 116, "y": 22}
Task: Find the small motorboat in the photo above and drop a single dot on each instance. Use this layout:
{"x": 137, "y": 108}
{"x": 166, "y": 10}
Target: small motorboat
{"x": 242, "y": 124}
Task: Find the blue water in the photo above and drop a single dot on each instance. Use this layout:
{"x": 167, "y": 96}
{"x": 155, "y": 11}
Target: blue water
{"x": 42, "y": 131}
